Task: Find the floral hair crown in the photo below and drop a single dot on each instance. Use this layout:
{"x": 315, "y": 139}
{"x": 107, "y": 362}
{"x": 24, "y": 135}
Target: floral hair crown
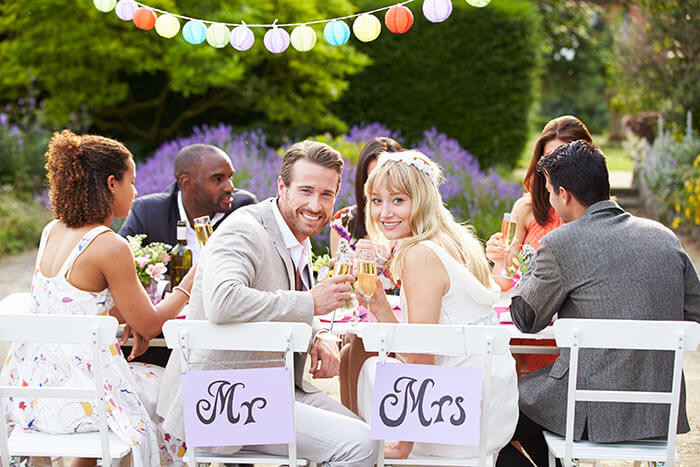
{"x": 416, "y": 159}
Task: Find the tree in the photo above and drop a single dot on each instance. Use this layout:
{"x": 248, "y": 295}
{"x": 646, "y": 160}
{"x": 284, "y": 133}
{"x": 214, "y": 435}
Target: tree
{"x": 658, "y": 52}
{"x": 135, "y": 84}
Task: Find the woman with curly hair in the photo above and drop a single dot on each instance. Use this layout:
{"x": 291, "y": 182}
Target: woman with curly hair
{"x": 84, "y": 268}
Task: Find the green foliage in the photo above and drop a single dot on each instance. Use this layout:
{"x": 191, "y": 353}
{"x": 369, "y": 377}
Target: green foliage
{"x": 472, "y": 77}
{"x": 658, "y": 52}
{"x": 137, "y": 85}
{"x": 21, "y": 221}
{"x": 576, "y": 44}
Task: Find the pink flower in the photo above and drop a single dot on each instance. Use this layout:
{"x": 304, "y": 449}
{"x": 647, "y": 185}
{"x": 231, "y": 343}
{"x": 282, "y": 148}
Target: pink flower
{"x": 156, "y": 271}
{"x": 142, "y": 261}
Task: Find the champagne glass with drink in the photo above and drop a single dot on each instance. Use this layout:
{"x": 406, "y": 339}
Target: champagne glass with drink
{"x": 343, "y": 266}
{"x": 509, "y": 227}
{"x": 367, "y": 273}
{"x": 203, "y": 228}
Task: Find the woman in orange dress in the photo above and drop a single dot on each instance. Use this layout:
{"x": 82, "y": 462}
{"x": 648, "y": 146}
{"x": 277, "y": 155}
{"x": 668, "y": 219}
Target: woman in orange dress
{"x": 535, "y": 217}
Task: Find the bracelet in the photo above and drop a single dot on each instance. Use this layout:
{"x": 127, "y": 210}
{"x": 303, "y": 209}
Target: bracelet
{"x": 182, "y": 289}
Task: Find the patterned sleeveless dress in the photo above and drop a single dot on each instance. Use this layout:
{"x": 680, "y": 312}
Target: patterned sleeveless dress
{"x": 131, "y": 389}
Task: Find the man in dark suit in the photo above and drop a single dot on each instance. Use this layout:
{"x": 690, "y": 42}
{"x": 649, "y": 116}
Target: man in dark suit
{"x": 603, "y": 263}
{"x": 202, "y": 187}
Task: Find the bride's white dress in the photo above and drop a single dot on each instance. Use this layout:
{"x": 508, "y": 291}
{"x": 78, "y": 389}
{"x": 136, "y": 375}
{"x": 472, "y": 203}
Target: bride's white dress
{"x": 466, "y": 302}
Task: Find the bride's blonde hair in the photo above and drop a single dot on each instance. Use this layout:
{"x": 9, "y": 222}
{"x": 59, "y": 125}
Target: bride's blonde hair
{"x": 414, "y": 174}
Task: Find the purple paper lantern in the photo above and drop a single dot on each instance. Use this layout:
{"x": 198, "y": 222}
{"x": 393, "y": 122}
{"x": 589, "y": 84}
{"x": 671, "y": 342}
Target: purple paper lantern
{"x": 242, "y": 38}
{"x": 276, "y": 40}
{"x": 125, "y": 9}
{"x": 437, "y": 11}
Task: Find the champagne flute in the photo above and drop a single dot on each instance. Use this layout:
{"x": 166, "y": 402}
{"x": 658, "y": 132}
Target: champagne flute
{"x": 343, "y": 266}
{"x": 203, "y": 228}
{"x": 509, "y": 227}
{"x": 366, "y": 273}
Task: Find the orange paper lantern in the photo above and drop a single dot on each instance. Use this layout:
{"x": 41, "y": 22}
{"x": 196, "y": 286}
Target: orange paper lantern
{"x": 144, "y": 18}
{"x": 398, "y": 19}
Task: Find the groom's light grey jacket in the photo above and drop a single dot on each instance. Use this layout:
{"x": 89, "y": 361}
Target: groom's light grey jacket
{"x": 245, "y": 274}
{"x": 606, "y": 265}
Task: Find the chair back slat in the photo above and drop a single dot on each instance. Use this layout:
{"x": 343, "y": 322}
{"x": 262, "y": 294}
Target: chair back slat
{"x": 627, "y": 334}
{"x": 286, "y": 337}
{"x": 55, "y": 329}
{"x": 435, "y": 338}
{"x": 442, "y": 339}
{"x": 94, "y": 331}
{"x": 576, "y": 334}
{"x": 203, "y": 334}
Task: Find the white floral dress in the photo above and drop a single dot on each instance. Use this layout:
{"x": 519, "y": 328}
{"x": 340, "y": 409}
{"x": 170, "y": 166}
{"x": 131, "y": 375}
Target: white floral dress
{"x": 131, "y": 389}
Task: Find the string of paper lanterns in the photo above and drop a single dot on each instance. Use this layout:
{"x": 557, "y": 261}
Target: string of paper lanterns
{"x": 366, "y": 27}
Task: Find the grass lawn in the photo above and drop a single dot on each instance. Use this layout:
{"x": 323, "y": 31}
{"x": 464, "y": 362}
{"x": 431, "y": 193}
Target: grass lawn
{"x": 618, "y": 159}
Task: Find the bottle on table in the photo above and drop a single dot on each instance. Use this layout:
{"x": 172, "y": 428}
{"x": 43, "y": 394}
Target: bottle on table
{"x": 180, "y": 256}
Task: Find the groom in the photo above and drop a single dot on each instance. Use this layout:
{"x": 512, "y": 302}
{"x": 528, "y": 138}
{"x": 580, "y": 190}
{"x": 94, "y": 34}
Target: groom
{"x": 256, "y": 267}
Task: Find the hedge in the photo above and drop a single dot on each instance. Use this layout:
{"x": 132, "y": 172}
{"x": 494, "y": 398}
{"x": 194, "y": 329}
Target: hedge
{"x": 472, "y": 77}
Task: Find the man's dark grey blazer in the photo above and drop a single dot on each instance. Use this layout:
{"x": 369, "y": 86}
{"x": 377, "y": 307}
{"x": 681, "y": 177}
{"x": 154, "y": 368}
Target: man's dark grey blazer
{"x": 156, "y": 215}
{"x": 607, "y": 264}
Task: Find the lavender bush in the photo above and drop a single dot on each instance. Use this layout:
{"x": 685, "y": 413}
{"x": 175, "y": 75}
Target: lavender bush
{"x": 472, "y": 195}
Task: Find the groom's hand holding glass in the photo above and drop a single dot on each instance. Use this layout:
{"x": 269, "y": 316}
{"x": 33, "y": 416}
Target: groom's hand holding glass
{"x": 328, "y": 295}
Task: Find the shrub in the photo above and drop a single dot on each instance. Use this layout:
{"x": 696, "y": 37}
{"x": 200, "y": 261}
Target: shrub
{"x": 669, "y": 172}
{"x": 22, "y": 156}
{"x": 472, "y": 77}
{"x": 21, "y": 221}
{"x": 472, "y": 195}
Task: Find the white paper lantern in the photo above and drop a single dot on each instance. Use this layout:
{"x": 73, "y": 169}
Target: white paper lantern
{"x": 303, "y": 38}
{"x": 218, "y": 35}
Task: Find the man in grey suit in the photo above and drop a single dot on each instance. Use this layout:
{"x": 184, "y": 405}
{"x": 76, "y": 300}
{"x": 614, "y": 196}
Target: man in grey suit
{"x": 256, "y": 267}
{"x": 603, "y": 263}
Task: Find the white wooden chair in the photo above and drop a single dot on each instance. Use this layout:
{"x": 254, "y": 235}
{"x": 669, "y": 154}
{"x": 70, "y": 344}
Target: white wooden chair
{"x": 93, "y": 331}
{"x": 283, "y": 337}
{"x": 676, "y": 336}
{"x": 441, "y": 339}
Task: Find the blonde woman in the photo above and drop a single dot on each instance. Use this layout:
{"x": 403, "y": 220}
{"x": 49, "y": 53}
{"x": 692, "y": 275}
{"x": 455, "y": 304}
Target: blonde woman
{"x": 445, "y": 280}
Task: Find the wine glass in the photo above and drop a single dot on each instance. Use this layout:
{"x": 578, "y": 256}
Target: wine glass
{"x": 203, "y": 228}
{"x": 509, "y": 227}
{"x": 366, "y": 273}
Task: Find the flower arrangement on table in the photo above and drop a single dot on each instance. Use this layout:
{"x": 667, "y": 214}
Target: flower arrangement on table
{"x": 151, "y": 262}
{"x": 521, "y": 261}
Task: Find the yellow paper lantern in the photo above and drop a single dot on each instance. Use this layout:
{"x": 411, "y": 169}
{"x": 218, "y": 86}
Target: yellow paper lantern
{"x": 366, "y": 27}
{"x": 105, "y": 6}
{"x": 218, "y": 35}
{"x": 167, "y": 26}
{"x": 303, "y": 38}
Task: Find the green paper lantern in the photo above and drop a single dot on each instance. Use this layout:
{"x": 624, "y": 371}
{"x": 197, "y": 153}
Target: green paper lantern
{"x": 218, "y": 35}
{"x": 303, "y": 38}
{"x": 105, "y": 6}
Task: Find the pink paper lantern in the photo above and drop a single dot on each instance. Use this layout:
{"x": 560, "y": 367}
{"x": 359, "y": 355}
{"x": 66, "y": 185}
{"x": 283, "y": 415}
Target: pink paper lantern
{"x": 144, "y": 18}
{"x": 437, "y": 11}
{"x": 276, "y": 40}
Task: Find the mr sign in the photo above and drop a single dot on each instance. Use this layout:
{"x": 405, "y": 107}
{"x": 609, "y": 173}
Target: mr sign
{"x": 427, "y": 403}
{"x": 238, "y": 407}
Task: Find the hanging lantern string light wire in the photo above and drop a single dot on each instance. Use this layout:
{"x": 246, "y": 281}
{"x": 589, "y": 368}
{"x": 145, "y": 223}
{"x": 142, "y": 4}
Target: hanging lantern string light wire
{"x": 187, "y": 18}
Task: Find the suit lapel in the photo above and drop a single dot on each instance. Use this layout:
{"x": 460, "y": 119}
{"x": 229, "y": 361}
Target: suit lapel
{"x": 270, "y": 224}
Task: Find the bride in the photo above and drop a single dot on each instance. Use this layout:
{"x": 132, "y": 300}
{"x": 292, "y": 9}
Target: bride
{"x": 445, "y": 280}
